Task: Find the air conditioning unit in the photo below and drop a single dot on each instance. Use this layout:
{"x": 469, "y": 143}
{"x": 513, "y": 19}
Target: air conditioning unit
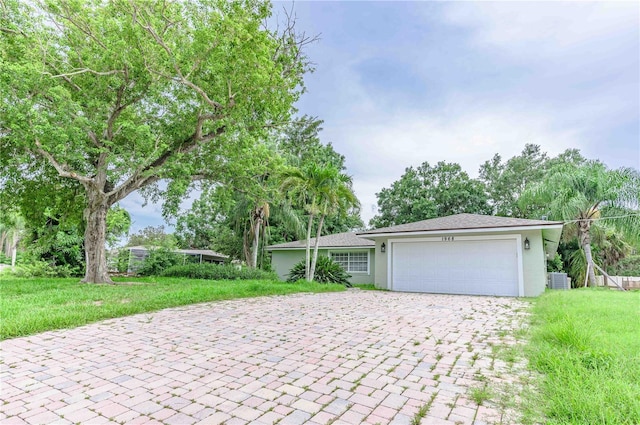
{"x": 558, "y": 281}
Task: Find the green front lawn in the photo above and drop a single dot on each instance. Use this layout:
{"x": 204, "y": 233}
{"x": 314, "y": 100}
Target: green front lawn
{"x": 29, "y": 306}
{"x": 586, "y": 345}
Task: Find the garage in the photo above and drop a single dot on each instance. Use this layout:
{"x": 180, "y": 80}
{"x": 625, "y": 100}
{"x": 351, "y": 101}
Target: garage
{"x": 468, "y": 254}
{"x": 472, "y": 266}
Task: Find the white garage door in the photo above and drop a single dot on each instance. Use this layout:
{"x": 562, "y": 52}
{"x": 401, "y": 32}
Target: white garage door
{"x": 474, "y": 267}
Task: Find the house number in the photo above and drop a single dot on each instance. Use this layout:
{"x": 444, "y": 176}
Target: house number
{"x": 447, "y": 239}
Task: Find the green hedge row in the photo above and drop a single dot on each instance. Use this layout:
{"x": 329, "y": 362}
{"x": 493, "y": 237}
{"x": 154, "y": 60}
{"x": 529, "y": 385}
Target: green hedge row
{"x": 211, "y": 271}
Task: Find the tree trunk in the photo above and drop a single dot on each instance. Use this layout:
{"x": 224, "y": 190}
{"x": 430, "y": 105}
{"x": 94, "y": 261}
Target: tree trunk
{"x": 246, "y": 251}
{"x": 312, "y": 270}
{"x": 14, "y": 249}
{"x": 4, "y": 247}
{"x": 256, "y": 242}
{"x": 585, "y": 242}
{"x": 307, "y": 263}
{"x": 95, "y": 235}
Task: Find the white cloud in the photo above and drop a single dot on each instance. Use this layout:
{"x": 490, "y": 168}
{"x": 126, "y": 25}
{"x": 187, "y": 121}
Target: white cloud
{"x": 547, "y": 44}
{"x": 379, "y": 151}
{"x": 552, "y": 27}
{"x": 380, "y": 140}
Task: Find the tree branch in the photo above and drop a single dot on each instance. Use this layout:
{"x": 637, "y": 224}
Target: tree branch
{"x": 83, "y": 70}
{"x": 150, "y": 173}
{"x": 182, "y": 79}
{"x": 200, "y": 92}
{"x": 86, "y": 31}
{"x": 117, "y": 110}
{"x": 62, "y": 169}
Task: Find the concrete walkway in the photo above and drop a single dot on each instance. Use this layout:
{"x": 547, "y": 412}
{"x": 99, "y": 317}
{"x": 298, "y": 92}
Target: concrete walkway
{"x": 342, "y": 358}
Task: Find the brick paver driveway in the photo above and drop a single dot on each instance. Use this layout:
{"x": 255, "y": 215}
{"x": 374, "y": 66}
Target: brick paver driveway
{"x": 352, "y": 357}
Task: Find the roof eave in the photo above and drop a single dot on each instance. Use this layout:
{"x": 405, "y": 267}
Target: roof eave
{"x": 269, "y": 248}
{"x": 372, "y": 236}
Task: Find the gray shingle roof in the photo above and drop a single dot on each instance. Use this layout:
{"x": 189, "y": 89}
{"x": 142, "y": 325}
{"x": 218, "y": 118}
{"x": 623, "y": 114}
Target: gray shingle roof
{"x": 348, "y": 239}
{"x": 461, "y": 222}
{"x": 206, "y": 252}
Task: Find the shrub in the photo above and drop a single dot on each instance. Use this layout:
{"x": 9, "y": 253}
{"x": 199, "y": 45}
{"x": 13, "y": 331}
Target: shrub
{"x": 157, "y": 261}
{"x": 122, "y": 261}
{"x": 43, "y": 269}
{"x": 629, "y": 266}
{"x": 555, "y": 264}
{"x": 211, "y": 271}
{"x": 327, "y": 271}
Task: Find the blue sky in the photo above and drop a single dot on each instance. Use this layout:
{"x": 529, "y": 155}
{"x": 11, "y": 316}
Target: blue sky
{"x": 400, "y": 83}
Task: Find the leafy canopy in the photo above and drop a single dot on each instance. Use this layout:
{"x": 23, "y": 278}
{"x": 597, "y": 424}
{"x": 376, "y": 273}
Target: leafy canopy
{"x": 105, "y": 98}
{"x": 427, "y": 192}
{"x": 221, "y": 219}
{"x": 506, "y": 181}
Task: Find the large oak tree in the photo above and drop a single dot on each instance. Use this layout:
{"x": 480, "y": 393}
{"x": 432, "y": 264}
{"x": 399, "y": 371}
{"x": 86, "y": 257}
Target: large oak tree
{"x": 427, "y": 192}
{"x": 119, "y": 96}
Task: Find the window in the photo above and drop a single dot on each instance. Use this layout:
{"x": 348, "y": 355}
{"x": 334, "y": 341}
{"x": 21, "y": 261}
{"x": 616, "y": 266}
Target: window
{"x": 352, "y": 262}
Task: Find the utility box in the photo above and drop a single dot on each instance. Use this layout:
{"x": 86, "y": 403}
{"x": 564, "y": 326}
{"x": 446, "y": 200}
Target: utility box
{"x": 558, "y": 281}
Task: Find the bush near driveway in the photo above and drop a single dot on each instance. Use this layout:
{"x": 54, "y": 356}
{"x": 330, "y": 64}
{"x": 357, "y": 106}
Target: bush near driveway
{"x": 218, "y": 272}
{"x": 327, "y": 271}
{"x": 586, "y": 345}
{"x": 29, "y": 306}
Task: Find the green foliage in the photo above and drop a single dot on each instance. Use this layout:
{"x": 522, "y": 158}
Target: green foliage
{"x": 152, "y": 237}
{"x": 11, "y": 232}
{"x": 326, "y": 271}
{"x": 122, "y": 260}
{"x": 204, "y": 225}
{"x": 629, "y": 266}
{"x": 300, "y": 145}
{"x": 555, "y": 264}
{"x": 585, "y": 345}
{"x": 118, "y": 224}
{"x": 103, "y": 99}
{"x": 224, "y": 216}
{"x": 609, "y": 246}
{"x": 159, "y": 260}
{"x": 480, "y": 395}
{"x": 427, "y": 192}
{"x": 324, "y": 191}
{"x": 56, "y": 246}
{"x": 218, "y": 272}
{"x": 506, "y": 181}
{"x": 599, "y": 204}
{"x": 37, "y": 268}
{"x": 67, "y": 303}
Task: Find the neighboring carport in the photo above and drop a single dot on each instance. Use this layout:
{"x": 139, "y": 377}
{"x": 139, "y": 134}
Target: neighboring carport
{"x": 466, "y": 254}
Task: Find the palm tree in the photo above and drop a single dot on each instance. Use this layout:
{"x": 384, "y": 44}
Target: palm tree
{"x": 324, "y": 191}
{"x": 590, "y": 196}
{"x": 250, "y": 216}
{"x": 11, "y": 230}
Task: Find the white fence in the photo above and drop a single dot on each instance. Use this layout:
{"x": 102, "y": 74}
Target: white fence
{"x": 627, "y": 282}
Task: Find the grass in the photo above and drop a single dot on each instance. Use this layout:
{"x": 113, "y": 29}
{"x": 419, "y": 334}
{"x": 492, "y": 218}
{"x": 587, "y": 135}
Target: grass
{"x": 480, "y": 394}
{"x": 366, "y": 286}
{"x": 586, "y": 345}
{"x": 423, "y": 410}
{"x": 29, "y": 306}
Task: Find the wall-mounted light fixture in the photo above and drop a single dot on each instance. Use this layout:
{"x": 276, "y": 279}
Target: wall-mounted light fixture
{"x": 527, "y": 245}
{"x": 383, "y": 247}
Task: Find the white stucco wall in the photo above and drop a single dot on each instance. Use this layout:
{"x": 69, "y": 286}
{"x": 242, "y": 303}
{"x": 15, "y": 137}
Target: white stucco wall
{"x": 533, "y": 260}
